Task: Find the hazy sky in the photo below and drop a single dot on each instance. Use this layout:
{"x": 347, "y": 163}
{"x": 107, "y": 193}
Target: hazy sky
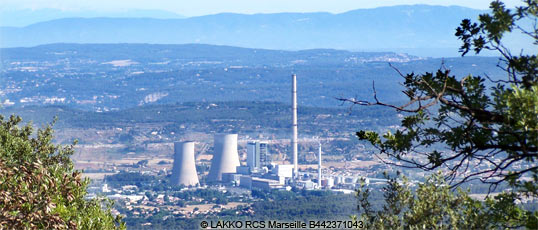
{"x": 204, "y": 7}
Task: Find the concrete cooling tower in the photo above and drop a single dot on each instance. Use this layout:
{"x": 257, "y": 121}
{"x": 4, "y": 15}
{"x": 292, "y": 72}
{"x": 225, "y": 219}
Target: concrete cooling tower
{"x": 225, "y": 158}
{"x": 184, "y": 170}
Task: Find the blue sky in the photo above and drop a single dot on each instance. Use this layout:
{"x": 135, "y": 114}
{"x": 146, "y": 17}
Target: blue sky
{"x": 204, "y": 7}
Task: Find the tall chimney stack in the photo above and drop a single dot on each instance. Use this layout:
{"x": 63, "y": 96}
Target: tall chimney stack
{"x": 319, "y": 166}
{"x": 294, "y": 125}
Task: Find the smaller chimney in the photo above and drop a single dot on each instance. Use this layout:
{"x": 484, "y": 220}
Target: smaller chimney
{"x": 319, "y": 166}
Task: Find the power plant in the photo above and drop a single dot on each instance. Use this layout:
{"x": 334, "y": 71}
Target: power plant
{"x": 225, "y": 158}
{"x": 184, "y": 168}
{"x": 258, "y": 173}
{"x": 261, "y": 170}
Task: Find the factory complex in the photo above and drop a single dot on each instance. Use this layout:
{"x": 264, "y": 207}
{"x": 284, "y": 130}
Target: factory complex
{"x": 258, "y": 172}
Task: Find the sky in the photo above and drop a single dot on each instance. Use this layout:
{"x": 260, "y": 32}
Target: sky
{"x": 205, "y": 7}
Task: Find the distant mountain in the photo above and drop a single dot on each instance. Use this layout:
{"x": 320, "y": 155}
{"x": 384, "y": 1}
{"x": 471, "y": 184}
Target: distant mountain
{"x": 221, "y": 56}
{"x": 19, "y": 18}
{"x": 416, "y": 29}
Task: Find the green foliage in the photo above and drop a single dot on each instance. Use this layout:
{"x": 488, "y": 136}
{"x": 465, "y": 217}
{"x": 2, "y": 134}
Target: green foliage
{"x": 434, "y": 206}
{"x": 39, "y": 189}
{"x": 270, "y": 205}
{"x": 204, "y": 194}
{"x": 460, "y": 126}
{"x": 129, "y": 178}
{"x": 304, "y": 208}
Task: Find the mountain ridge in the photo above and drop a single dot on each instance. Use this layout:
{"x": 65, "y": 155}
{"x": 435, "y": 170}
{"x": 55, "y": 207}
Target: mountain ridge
{"x": 25, "y": 17}
{"x": 398, "y": 28}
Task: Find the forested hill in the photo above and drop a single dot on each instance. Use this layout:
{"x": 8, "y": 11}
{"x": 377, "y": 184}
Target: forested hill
{"x": 108, "y": 77}
{"x": 195, "y": 54}
{"x": 215, "y": 116}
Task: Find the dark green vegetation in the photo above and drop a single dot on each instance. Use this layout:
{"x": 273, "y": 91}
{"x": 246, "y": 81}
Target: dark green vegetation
{"x": 304, "y": 205}
{"x": 129, "y": 178}
{"x": 240, "y": 115}
{"x": 435, "y": 205}
{"x": 458, "y": 125}
{"x": 83, "y": 76}
{"x": 39, "y": 188}
{"x": 278, "y": 205}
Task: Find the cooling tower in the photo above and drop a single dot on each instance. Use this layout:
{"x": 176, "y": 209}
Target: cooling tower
{"x": 184, "y": 170}
{"x": 225, "y": 158}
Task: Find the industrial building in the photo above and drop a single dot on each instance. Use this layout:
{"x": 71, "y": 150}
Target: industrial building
{"x": 283, "y": 171}
{"x": 257, "y": 155}
{"x": 259, "y": 183}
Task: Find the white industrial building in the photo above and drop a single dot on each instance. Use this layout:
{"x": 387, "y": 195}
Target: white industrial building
{"x": 283, "y": 170}
{"x": 257, "y": 155}
{"x": 259, "y": 183}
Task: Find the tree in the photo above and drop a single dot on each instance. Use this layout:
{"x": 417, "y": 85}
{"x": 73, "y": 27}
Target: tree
{"x": 142, "y": 164}
{"x": 472, "y": 132}
{"x": 458, "y": 124}
{"x": 434, "y": 206}
{"x": 39, "y": 188}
